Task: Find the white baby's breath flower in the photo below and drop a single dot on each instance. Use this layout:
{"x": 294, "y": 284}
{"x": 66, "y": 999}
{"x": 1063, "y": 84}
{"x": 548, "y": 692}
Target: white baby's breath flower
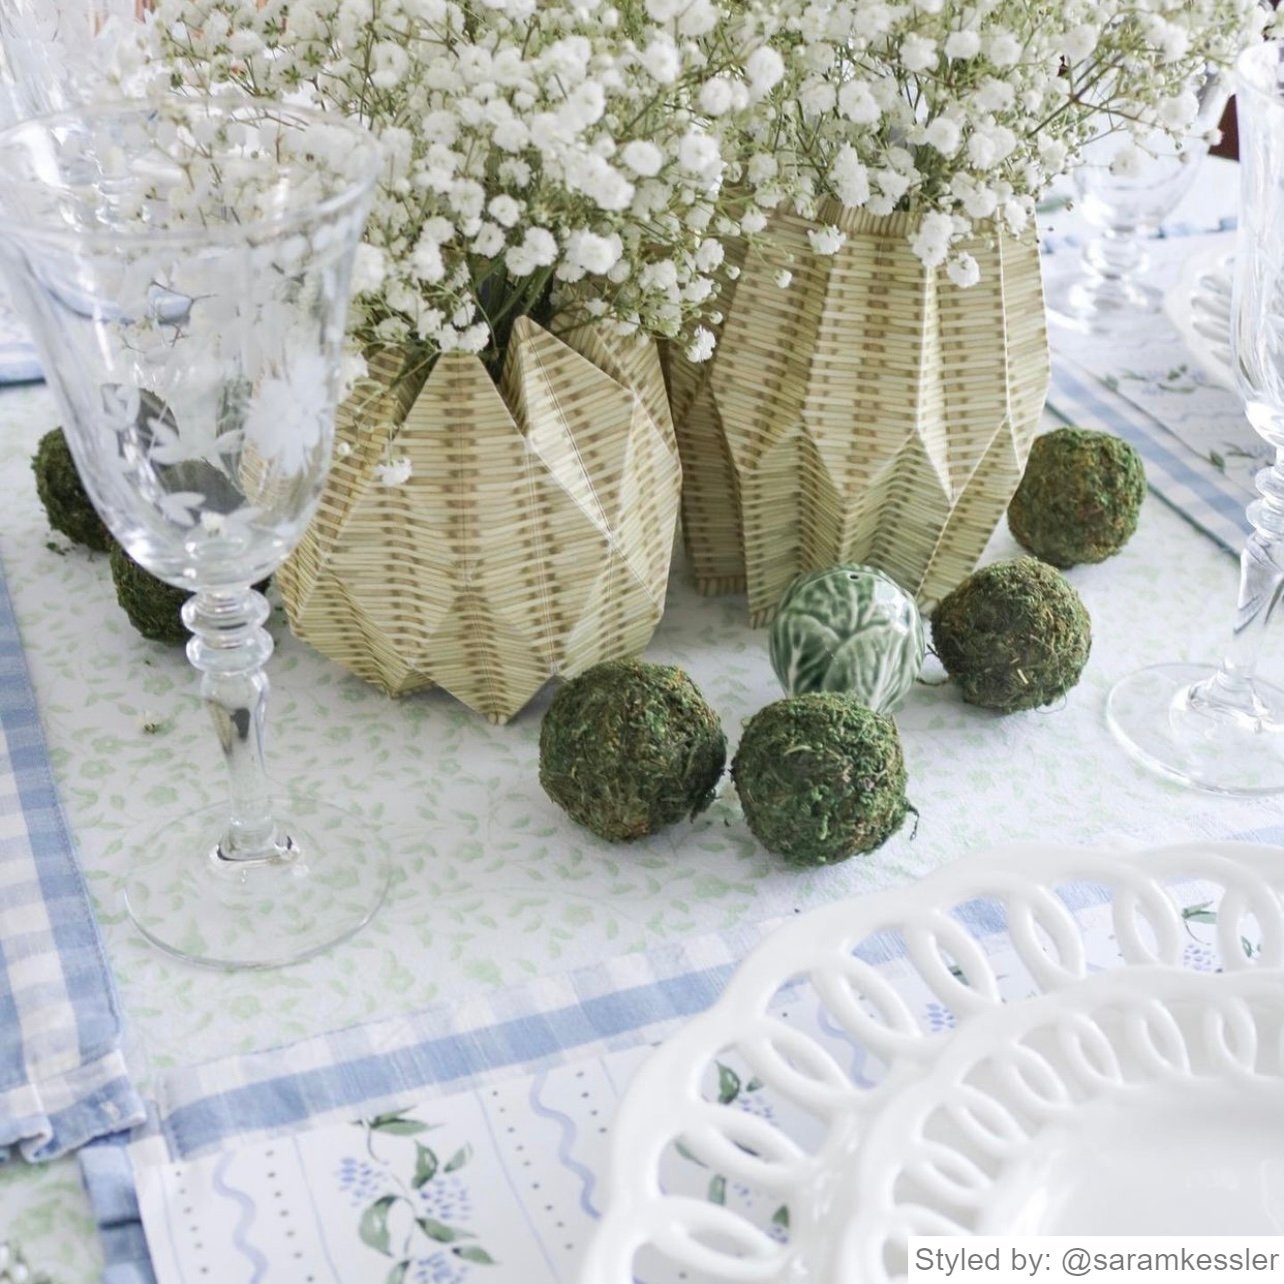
{"x": 931, "y": 242}
{"x": 717, "y": 96}
{"x": 857, "y": 103}
{"x": 1127, "y": 162}
{"x": 504, "y": 210}
{"x": 702, "y": 345}
{"x": 826, "y": 240}
{"x": 395, "y": 472}
{"x": 764, "y": 68}
{"x": 288, "y": 413}
{"x": 964, "y": 271}
{"x": 698, "y": 154}
{"x": 368, "y": 269}
{"x": 662, "y": 60}
{"x": 1080, "y": 42}
{"x": 1002, "y": 48}
{"x": 1178, "y": 113}
{"x": 593, "y": 253}
{"x": 962, "y": 44}
{"x": 643, "y": 157}
{"x": 850, "y": 178}
{"x": 784, "y": 278}
{"x": 944, "y": 134}
{"x": 919, "y": 53}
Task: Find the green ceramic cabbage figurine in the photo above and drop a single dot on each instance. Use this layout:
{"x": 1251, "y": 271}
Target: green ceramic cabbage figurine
{"x": 850, "y": 629}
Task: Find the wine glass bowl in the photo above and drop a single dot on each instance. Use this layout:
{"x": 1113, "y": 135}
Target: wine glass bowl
{"x": 185, "y": 270}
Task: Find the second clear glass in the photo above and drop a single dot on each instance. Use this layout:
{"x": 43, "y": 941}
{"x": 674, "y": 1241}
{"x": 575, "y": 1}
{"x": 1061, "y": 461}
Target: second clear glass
{"x": 1222, "y": 728}
{"x": 1124, "y": 191}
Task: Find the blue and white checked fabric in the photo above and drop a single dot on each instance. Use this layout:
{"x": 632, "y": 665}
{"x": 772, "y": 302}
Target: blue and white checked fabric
{"x": 63, "y": 1080}
{"x": 1181, "y": 478}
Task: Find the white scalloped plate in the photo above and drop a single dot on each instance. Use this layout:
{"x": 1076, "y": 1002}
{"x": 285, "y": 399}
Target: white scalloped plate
{"x": 1147, "y": 1098}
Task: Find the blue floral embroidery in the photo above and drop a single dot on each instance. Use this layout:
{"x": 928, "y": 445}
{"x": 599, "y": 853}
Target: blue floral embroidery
{"x": 362, "y": 1181}
{"x": 413, "y": 1202}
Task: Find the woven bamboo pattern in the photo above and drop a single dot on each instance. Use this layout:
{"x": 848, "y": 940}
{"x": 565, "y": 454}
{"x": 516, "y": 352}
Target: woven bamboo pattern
{"x": 533, "y": 538}
{"x": 871, "y": 412}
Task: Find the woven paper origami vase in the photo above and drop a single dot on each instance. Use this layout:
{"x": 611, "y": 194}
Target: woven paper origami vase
{"x": 871, "y": 411}
{"x": 533, "y": 537}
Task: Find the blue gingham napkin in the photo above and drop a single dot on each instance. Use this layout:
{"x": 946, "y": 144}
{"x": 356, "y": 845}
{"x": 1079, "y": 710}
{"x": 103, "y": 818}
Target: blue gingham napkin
{"x": 63, "y": 1080}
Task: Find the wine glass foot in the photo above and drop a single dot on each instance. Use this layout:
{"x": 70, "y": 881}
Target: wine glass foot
{"x": 327, "y": 882}
{"x": 1161, "y": 715}
{"x": 1079, "y": 303}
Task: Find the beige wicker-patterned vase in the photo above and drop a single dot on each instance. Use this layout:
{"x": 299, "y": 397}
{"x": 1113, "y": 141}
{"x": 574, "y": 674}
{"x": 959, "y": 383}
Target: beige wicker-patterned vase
{"x": 871, "y": 412}
{"x": 533, "y": 538}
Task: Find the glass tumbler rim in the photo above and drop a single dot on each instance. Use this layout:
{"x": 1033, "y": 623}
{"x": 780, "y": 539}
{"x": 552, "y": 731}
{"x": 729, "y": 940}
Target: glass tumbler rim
{"x": 355, "y": 188}
{"x": 1248, "y": 65}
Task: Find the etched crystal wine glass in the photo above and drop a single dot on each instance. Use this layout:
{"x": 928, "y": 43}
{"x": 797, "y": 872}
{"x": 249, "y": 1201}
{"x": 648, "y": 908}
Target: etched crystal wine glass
{"x": 1125, "y": 190}
{"x": 1222, "y": 728}
{"x": 60, "y": 53}
{"x": 185, "y": 270}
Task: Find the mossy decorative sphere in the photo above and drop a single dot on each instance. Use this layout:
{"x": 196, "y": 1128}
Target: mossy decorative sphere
{"x": 1080, "y": 497}
{"x": 821, "y": 778}
{"x": 629, "y": 747}
{"x": 63, "y": 494}
{"x": 1013, "y": 635}
{"x": 154, "y": 607}
{"x": 850, "y": 629}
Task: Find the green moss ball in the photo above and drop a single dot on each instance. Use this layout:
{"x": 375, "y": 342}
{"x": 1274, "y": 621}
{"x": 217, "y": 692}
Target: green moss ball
{"x": 629, "y": 747}
{"x": 154, "y": 607}
{"x": 1013, "y": 635}
{"x": 1080, "y": 497}
{"x": 61, "y": 492}
{"x": 820, "y": 778}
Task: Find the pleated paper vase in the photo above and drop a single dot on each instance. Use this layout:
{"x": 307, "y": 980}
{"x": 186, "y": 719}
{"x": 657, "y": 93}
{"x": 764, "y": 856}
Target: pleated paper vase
{"x": 870, "y": 412}
{"x": 533, "y": 537}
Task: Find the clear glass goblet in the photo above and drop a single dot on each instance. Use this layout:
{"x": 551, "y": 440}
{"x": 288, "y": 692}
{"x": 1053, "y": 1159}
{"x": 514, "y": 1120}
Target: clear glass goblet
{"x": 1222, "y": 728}
{"x": 1125, "y": 190}
{"x": 60, "y": 53}
{"x": 185, "y": 271}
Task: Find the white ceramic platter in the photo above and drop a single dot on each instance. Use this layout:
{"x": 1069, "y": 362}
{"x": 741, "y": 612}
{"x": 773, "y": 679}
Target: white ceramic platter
{"x": 1144, "y": 1098}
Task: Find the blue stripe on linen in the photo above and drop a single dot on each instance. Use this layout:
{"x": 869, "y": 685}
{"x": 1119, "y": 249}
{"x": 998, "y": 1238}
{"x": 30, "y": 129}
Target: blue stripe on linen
{"x": 442, "y": 1059}
{"x": 62, "y": 1077}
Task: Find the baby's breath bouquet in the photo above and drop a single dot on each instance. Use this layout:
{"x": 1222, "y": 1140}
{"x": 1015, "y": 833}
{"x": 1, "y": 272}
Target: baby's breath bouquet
{"x": 555, "y": 195}
{"x": 894, "y": 152}
{"x": 541, "y": 159}
{"x": 963, "y": 112}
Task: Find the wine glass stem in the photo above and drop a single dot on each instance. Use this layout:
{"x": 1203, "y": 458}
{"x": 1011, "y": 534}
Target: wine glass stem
{"x": 230, "y": 646}
{"x": 1260, "y": 584}
{"x": 1115, "y": 259}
